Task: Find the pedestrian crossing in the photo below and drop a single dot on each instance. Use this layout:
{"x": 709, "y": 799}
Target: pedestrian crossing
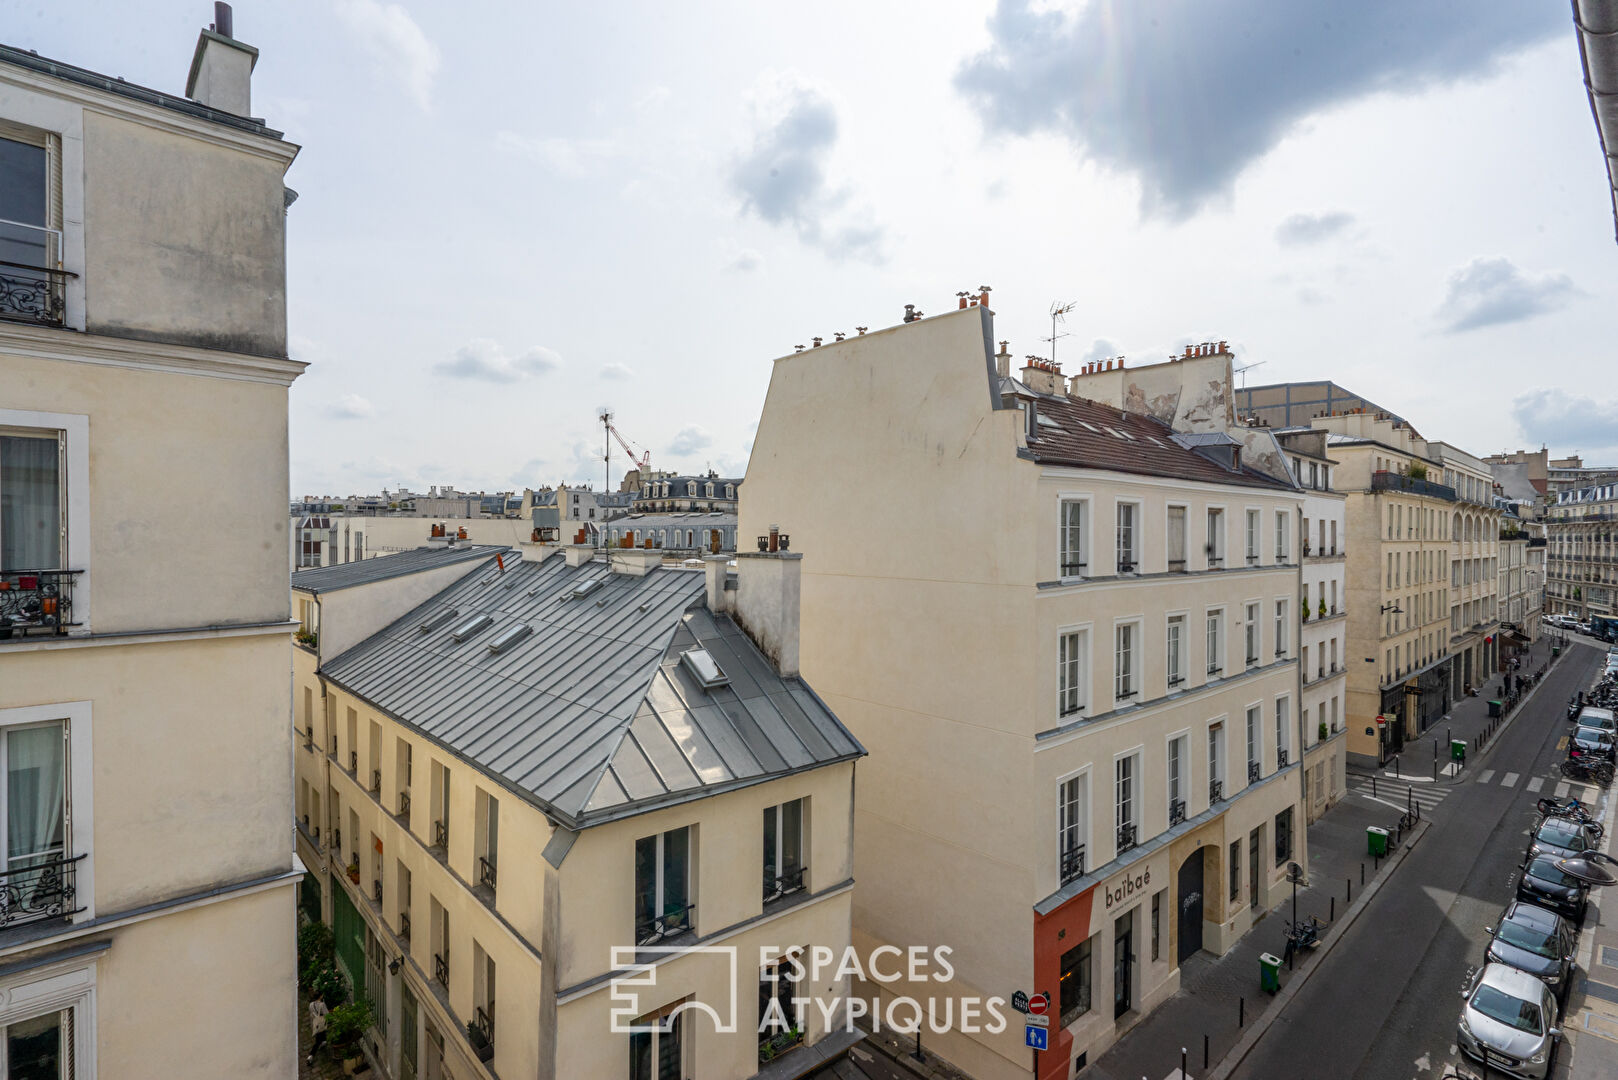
{"x": 1398, "y": 793}
{"x": 1560, "y": 789}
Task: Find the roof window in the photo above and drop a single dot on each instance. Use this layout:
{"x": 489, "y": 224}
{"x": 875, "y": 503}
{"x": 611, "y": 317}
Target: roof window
{"x": 433, "y": 622}
{"x": 510, "y": 636}
{"x": 472, "y": 626}
{"x": 586, "y": 587}
{"x": 704, "y": 668}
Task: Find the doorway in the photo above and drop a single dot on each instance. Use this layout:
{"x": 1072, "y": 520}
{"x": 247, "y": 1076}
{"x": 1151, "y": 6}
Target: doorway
{"x": 1189, "y": 891}
{"x": 1254, "y": 843}
{"x": 1123, "y": 964}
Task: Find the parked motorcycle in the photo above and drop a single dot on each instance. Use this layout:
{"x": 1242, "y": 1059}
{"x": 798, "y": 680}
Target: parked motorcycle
{"x": 1573, "y": 708}
{"x": 1571, "y": 808}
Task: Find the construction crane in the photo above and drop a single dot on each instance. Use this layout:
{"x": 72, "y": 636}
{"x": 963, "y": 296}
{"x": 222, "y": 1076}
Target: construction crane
{"x": 643, "y": 462}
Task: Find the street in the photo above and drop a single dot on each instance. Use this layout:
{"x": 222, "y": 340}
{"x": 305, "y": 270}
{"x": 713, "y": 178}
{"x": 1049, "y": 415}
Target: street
{"x": 1385, "y": 1002}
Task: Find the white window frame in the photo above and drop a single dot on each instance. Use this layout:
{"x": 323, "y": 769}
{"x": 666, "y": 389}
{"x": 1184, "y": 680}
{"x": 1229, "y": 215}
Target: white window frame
{"x": 1134, "y": 755}
{"x": 1252, "y": 534}
{"x": 1170, "y": 669}
{"x": 1183, "y": 738}
{"x": 64, "y": 119}
{"x": 1185, "y": 540}
{"x": 1082, "y": 632}
{"x": 1219, "y": 540}
{"x": 1084, "y": 828}
{"x": 1252, "y": 633}
{"x": 1254, "y": 737}
{"x": 74, "y": 431}
{"x": 1283, "y": 535}
{"x": 1135, "y": 511}
{"x": 80, "y": 822}
{"x": 1283, "y": 620}
{"x": 1216, "y": 662}
{"x": 1131, "y": 690}
{"x": 48, "y": 988}
{"x": 1283, "y": 725}
{"x": 1215, "y": 732}
{"x": 1083, "y": 530}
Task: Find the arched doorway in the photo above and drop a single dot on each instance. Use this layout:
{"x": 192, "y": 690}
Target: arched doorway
{"x": 1189, "y": 892}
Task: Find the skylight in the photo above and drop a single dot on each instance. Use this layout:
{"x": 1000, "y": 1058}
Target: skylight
{"x": 510, "y": 636}
{"x": 704, "y": 668}
{"x": 586, "y": 587}
{"x": 472, "y": 626}
{"x": 433, "y": 622}
{"x": 1090, "y": 426}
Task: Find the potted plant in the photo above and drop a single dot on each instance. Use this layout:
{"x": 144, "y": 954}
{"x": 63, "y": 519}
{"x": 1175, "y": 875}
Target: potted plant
{"x": 778, "y": 1044}
{"x": 354, "y": 871}
{"x": 1321, "y": 735}
{"x": 1322, "y": 607}
{"x": 480, "y": 1042}
{"x": 306, "y": 638}
{"x": 345, "y": 1026}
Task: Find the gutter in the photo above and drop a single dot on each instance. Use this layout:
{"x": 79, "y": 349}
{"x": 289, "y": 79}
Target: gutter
{"x": 1597, "y": 25}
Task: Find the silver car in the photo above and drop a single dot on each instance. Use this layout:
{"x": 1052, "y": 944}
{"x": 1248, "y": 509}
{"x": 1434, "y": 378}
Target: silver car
{"x": 1511, "y": 1016}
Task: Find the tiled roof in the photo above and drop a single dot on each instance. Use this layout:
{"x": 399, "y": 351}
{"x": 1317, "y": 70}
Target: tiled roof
{"x": 1087, "y": 434}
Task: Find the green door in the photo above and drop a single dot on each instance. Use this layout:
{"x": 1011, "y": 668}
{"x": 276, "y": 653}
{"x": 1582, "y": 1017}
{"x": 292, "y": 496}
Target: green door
{"x": 349, "y": 930}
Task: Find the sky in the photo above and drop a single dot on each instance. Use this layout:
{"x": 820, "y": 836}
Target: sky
{"x": 513, "y": 216}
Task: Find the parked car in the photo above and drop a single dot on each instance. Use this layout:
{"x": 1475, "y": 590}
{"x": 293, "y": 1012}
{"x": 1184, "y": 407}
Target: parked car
{"x": 1601, "y": 720}
{"x": 1559, "y": 837}
{"x": 1543, "y": 885}
{"x": 1538, "y": 941}
{"x": 1513, "y": 1016}
{"x": 1591, "y": 741}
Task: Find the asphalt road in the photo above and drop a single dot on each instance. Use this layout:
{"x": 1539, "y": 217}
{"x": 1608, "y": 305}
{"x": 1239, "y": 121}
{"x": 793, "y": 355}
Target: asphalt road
{"x": 1385, "y": 1002}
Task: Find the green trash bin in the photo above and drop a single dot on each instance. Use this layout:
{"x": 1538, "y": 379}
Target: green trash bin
{"x": 1269, "y": 968}
{"x": 1556, "y": 650}
{"x": 1376, "y": 841}
{"x": 1494, "y": 709}
{"x": 1457, "y": 750}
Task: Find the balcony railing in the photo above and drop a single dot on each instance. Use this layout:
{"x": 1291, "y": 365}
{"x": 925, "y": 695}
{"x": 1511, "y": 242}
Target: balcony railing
{"x": 376, "y": 781}
{"x": 404, "y": 924}
{"x": 441, "y": 969}
{"x": 33, "y": 294}
{"x": 1216, "y": 791}
{"x": 1383, "y": 480}
{"x": 671, "y": 923}
{"x": 1072, "y": 863}
{"x": 481, "y": 1031}
{"x": 45, "y": 890}
{"x": 354, "y": 762}
{"x": 1176, "y": 812}
{"x": 441, "y": 834}
{"x": 1281, "y": 759}
{"x": 376, "y": 892}
{"x": 1127, "y": 836}
{"x": 1176, "y": 566}
{"x": 337, "y": 841}
{"x": 784, "y": 885}
{"x": 486, "y": 873}
{"x": 1074, "y": 569}
{"x": 36, "y": 603}
{"x": 1253, "y": 772}
{"x": 404, "y": 804}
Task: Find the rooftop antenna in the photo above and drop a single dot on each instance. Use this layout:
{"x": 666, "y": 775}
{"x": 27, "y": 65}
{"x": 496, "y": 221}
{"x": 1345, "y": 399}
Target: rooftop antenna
{"x": 1242, "y": 371}
{"x": 1059, "y": 312}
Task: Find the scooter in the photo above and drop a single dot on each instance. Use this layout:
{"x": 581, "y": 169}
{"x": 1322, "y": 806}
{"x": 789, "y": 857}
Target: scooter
{"x": 1573, "y": 708}
{"x": 1302, "y": 936}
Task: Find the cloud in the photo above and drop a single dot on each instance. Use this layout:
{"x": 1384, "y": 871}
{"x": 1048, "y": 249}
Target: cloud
{"x": 745, "y": 261}
{"x": 1301, "y": 230}
{"x": 783, "y": 181}
{"x": 1186, "y": 95}
{"x": 351, "y": 407}
{"x": 483, "y": 359}
{"x": 1489, "y": 292}
{"x": 616, "y": 371}
{"x": 688, "y": 440}
{"x": 565, "y": 157}
{"x": 396, "y": 44}
{"x": 1101, "y": 349}
{"x": 1556, "y": 417}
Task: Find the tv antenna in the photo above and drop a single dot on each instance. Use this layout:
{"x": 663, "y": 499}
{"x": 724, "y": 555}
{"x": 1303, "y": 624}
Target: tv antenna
{"x": 1242, "y": 371}
{"x": 1059, "y": 312}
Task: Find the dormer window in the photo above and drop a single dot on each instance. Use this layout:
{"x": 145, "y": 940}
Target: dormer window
{"x": 730, "y": 491}
{"x": 691, "y": 487}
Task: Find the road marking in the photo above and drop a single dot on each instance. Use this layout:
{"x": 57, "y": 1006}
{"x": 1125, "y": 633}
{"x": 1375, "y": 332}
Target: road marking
{"x": 1536, "y": 783}
{"x": 1485, "y": 776}
{"x": 1510, "y": 780}
{"x": 1561, "y": 789}
{"x": 1561, "y": 744}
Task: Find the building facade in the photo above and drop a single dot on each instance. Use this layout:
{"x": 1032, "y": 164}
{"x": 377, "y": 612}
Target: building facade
{"x": 667, "y": 493}
{"x": 149, "y": 881}
{"x": 1581, "y": 571}
{"x": 542, "y": 857}
{"x": 1474, "y": 641}
{"x": 1081, "y": 698}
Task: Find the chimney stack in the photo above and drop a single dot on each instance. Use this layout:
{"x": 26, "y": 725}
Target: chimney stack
{"x": 1002, "y": 360}
{"x": 222, "y": 67}
{"x": 768, "y": 584}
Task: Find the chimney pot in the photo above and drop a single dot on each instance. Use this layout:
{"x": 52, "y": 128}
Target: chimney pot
{"x": 1188, "y": 351}
{"x": 222, "y": 68}
{"x": 1222, "y": 347}
{"x": 862, "y": 330}
{"x": 983, "y": 295}
{"x": 222, "y": 19}
{"x": 816, "y": 341}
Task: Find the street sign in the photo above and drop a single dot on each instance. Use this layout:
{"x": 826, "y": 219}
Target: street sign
{"x": 1036, "y": 1037}
{"x": 1038, "y": 1003}
{"x": 1036, "y": 1021}
{"x": 1019, "y": 1001}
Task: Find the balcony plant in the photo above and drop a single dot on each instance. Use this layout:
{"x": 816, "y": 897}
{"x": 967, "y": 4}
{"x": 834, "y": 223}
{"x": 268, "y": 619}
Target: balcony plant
{"x": 1321, "y": 734}
{"x": 778, "y": 1044}
{"x": 345, "y": 1026}
{"x": 480, "y": 1042}
{"x": 306, "y": 638}
{"x": 1322, "y": 608}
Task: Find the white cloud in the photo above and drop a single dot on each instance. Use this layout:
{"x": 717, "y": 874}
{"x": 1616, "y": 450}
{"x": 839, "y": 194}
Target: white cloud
{"x": 688, "y": 440}
{"x": 616, "y": 371}
{"x": 484, "y": 359}
{"x": 351, "y": 407}
{"x": 565, "y": 157}
{"x": 1488, "y": 292}
{"x": 396, "y": 44}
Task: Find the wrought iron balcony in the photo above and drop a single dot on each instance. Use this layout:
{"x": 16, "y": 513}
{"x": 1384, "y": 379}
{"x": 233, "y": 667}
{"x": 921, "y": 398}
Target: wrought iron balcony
{"x": 337, "y": 840}
{"x": 1176, "y": 566}
{"x": 1127, "y": 834}
{"x": 1253, "y": 772}
{"x": 786, "y": 884}
{"x": 1072, "y": 863}
{"x": 1216, "y": 791}
{"x": 404, "y": 804}
{"x": 671, "y": 923}
{"x": 404, "y": 924}
{"x": 480, "y": 1030}
{"x": 45, "y": 890}
{"x": 1383, "y": 480}
{"x": 1281, "y": 759}
{"x": 37, "y": 603}
{"x": 33, "y": 294}
{"x": 354, "y": 762}
{"x": 1176, "y": 812}
{"x": 1213, "y": 669}
{"x": 1074, "y": 569}
{"x": 441, "y": 969}
{"x": 441, "y": 834}
{"x": 376, "y": 781}
{"x": 376, "y": 892}
{"x": 486, "y": 874}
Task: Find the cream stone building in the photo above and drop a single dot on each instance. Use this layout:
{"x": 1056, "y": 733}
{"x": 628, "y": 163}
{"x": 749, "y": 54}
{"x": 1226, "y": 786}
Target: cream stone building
{"x": 1522, "y": 580}
{"x": 148, "y": 884}
{"x": 543, "y": 789}
{"x": 1582, "y": 553}
{"x": 1081, "y": 699}
{"x": 1474, "y": 629}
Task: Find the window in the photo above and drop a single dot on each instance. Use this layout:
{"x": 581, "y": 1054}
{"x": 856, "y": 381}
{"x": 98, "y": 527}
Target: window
{"x": 1283, "y": 731}
{"x": 1235, "y": 870}
{"x": 487, "y": 838}
{"x": 33, "y": 770}
{"x": 1174, "y": 650}
{"x": 1283, "y": 836}
{"x": 404, "y": 899}
{"x": 32, "y": 523}
{"x": 1281, "y": 628}
{"x": 1215, "y": 637}
{"x": 1216, "y": 764}
{"x": 1177, "y": 779}
{"x": 1073, "y": 802}
{"x": 1073, "y": 986}
{"x": 1283, "y": 537}
{"x": 1255, "y": 743}
{"x": 440, "y": 793}
{"x": 1074, "y": 513}
{"x": 1128, "y": 550}
{"x": 30, "y": 225}
{"x": 1073, "y": 658}
{"x": 778, "y": 1012}
{"x": 657, "y": 1045}
{"x": 1157, "y": 923}
{"x": 1124, "y": 795}
{"x": 1252, "y": 537}
{"x": 483, "y": 983}
{"x": 1215, "y": 547}
{"x": 438, "y": 932}
{"x": 783, "y": 850}
{"x": 1176, "y": 539}
{"x": 1252, "y": 634}
{"x": 663, "y": 886}
{"x": 1124, "y": 661}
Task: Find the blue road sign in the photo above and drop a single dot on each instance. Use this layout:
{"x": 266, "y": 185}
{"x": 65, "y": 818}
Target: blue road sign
{"x": 1036, "y": 1037}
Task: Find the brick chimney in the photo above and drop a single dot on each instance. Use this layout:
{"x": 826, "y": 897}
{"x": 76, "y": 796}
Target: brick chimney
{"x": 222, "y": 68}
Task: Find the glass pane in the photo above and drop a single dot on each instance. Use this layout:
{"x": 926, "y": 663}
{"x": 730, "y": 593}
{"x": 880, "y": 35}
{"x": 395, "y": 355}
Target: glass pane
{"x": 675, "y": 870}
{"x": 22, "y": 183}
{"x": 792, "y": 835}
{"x": 30, "y": 503}
{"x": 640, "y": 1055}
{"x": 35, "y": 796}
{"x": 646, "y": 879}
{"x": 34, "y": 1048}
{"x": 770, "y": 865}
{"x": 668, "y": 1049}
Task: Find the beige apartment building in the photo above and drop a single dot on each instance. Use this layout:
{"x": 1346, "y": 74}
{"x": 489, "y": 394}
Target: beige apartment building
{"x": 1081, "y": 700}
{"x": 149, "y": 881}
{"x": 1581, "y": 573}
{"x": 542, "y": 789}
{"x": 1522, "y": 581}
{"x": 1474, "y": 641}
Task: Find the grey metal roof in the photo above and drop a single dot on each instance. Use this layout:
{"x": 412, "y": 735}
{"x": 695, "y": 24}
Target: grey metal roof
{"x": 325, "y": 579}
{"x": 592, "y": 715}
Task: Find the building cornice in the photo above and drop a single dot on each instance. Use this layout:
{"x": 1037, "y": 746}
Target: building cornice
{"x": 1233, "y": 489}
{"x": 150, "y": 637}
{"x": 46, "y": 343}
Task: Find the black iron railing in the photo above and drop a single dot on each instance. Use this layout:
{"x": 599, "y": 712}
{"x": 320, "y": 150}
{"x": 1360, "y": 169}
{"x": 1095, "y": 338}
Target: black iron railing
{"x": 1074, "y": 569}
{"x": 1252, "y": 772}
{"x": 672, "y": 923}
{"x": 35, "y": 294}
{"x": 441, "y": 834}
{"x": 1072, "y": 863}
{"x": 1216, "y": 791}
{"x": 1127, "y": 834}
{"x": 441, "y": 968}
{"x": 376, "y": 892}
{"x": 404, "y": 924}
{"x": 337, "y": 841}
{"x": 354, "y": 762}
{"x": 785, "y": 884}
{"x": 1176, "y": 566}
{"x": 486, "y": 874}
{"x": 1176, "y": 812}
{"x": 376, "y": 781}
{"x": 404, "y": 804}
{"x": 36, "y": 603}
{"x": 45, "y": 890}
{"x": 1383, "y": 480}
{"x": 1281, "y": 759}
{"x": 480, "y": 1029}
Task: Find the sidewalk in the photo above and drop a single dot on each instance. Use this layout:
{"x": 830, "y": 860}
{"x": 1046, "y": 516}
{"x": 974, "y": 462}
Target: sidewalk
{"x": 1219, "y": 997}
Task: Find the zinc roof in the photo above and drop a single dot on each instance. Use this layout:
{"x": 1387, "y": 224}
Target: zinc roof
{"x": 325, "y": 579}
